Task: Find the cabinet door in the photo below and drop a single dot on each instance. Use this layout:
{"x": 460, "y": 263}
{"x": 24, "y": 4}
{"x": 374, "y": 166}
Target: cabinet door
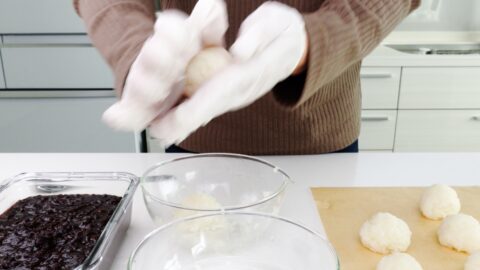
{"x": 39, "y": 16}
{"x": 56, "y": 66}
{"x": 377, "y": 130}
{"x": 59, "y": 125}
{"x": 380, "y": 87}
{"x": 440, "y": 88}
{"x": 438, "y": 130}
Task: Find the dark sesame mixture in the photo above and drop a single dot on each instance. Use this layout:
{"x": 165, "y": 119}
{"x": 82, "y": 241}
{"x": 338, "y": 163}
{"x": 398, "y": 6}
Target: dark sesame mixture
{"x": 53, "y": 232}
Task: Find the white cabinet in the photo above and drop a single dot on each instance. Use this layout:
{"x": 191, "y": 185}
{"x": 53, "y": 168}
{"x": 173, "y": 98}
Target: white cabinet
{"x": 153, "y": 146}
{"x": 420, "y": 108}
{"x": 377, "y": 130}
{"x": 440, "y": 88}
{"x": 39, "y": 16}
{"x": 438, "y": 130}
{"x": 36, "y": 63}
{"x": 380, "y": 87}
{"x": 59, "y": 125}
{"x": 2, "y": 79}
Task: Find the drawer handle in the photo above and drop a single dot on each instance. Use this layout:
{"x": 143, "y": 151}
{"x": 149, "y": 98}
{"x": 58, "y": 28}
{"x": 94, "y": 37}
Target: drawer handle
{"x": 376, "y": 75}
{"x": 12, "y": 41}
{"x": 476, "y": 118}
{"x": 374, "y": 118}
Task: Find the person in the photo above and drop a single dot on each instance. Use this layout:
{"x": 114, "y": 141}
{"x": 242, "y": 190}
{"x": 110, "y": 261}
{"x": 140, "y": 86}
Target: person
{"x": 292, "y": 88}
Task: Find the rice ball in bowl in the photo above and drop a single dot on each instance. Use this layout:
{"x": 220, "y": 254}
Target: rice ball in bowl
{"x": 209, "y": 183}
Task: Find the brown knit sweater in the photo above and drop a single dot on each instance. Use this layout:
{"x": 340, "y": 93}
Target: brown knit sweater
{"x": 315, "y": 112}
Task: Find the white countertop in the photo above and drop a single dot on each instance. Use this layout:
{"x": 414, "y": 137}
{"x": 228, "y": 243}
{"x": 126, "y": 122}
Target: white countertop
{"x": 387, "y": 57}
{"x": 433, "y": 37}
{"x": 334, "y": 170}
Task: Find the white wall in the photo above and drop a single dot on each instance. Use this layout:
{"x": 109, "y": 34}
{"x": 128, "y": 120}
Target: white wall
{"x": 444, "y": 15}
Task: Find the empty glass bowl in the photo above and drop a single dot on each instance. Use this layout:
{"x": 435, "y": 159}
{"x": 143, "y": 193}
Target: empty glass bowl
{"x": 208, "y": 183}
{"x": 233, "y": 241}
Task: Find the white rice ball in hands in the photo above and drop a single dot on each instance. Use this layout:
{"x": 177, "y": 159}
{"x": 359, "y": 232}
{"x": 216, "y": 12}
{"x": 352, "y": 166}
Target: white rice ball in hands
{"x": 204, "y": 66}
{"x": 399, "y": 261}
{"x": 439, "y": 201}
{"x": 460, "y": 232}
{"x": 385, "y": 233}
{"x": 473, "y": 262}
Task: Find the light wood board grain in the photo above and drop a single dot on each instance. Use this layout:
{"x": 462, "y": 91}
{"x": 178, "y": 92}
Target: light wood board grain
{"x": 344, "y": 210}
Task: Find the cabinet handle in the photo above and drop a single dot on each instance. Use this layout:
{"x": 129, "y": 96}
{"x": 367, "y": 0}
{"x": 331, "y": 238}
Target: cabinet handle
{"x": 45, "y": 40}
{"x": 56, "y": 94}
{"x": 376, "y": 75}
{"x": 476, "y": 118}
{"x": 374, "y": 118}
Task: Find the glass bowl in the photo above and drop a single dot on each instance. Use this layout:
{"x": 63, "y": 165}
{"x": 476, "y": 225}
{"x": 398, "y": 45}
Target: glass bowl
{"x": 233, "y": 240}
{"x": 208, "y": 183}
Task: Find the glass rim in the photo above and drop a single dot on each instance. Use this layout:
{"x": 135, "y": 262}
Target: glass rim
{"x": 149, "y": 236}
{"x": 285, "y": 181}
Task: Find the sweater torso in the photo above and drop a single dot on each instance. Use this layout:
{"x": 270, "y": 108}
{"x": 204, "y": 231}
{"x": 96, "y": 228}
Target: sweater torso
{"x": 324, "y": 123}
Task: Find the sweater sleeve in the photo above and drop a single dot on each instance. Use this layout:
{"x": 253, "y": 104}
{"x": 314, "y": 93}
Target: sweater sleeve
{"x": 341, "y": 33}
{"x": 118, "y": 29}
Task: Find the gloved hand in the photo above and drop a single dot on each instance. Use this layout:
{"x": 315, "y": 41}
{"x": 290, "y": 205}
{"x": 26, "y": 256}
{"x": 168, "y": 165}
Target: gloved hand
{"x": 271, "y": 43}
{"x": 153, "y": 84}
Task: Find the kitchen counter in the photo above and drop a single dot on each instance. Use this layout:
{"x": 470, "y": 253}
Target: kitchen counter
{"x": 335, "y": 170}
{"x": 388, "y": 57}
{"x": 385, "y": 56}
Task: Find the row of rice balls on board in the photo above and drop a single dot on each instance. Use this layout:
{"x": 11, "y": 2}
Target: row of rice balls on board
{"x": 385, "y": 233}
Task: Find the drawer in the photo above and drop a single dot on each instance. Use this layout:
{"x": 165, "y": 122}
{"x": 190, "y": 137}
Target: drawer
{"x": 34, "y": 16}
{"x": 59, "y": 125}
{"x": 440, "y": 88}
{"x": 380, "y": 87}
{"x": 377, "y": 130}
{"x": 438, "y": 130}
{"x": 55, "y": 66}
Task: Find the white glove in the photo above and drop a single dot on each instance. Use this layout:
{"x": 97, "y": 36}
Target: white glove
{"x": 153, "y": 84}
{"x": 271, "y": 43}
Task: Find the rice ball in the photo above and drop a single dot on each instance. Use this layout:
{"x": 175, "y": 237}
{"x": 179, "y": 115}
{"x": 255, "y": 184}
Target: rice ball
{"x": 439, "y": 201}
{"x": 385, "y": 233}
{"x": 460, "y": 232}
{"x": 197, "y": 201}
{"x": 473, "y": 262}
{"x": 399, "y": 261}
{"x": 203, "y": 66}
{"x": 200, "y": 201}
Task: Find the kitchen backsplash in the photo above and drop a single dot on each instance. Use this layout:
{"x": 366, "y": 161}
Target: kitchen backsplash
{"x": 444, "y": 15}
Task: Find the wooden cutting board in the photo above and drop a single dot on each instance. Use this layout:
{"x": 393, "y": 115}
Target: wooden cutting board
{"x": 344, "y": 210}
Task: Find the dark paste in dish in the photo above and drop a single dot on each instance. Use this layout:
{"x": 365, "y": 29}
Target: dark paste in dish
{"x": 53, "y": 232}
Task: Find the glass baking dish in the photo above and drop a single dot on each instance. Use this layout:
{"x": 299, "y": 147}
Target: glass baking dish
{"x": 112, "y": 183}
